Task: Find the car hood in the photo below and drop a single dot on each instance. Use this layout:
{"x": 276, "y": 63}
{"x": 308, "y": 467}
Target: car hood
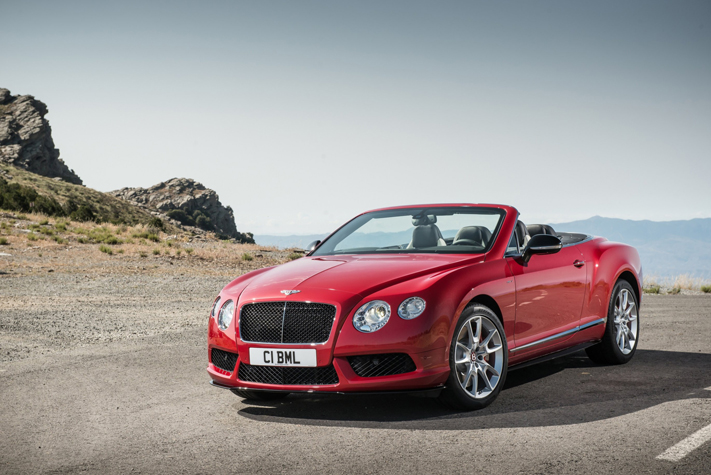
{"x": 315, "y": 277}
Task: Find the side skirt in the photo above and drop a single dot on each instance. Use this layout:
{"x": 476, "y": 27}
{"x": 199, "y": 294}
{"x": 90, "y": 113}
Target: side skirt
{"x": 552, "y": 356}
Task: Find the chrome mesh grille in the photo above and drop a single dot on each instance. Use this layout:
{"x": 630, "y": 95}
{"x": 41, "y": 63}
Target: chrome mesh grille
{"x": 286, "y": 322}
{"x": 223, "y": 359}
{"x": 369, "y": 366}
{"x": 288, "y": 375}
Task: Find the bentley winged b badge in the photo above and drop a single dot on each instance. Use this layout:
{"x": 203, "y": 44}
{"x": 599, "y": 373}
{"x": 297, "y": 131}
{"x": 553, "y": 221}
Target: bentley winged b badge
{"x": 289, "y": 292}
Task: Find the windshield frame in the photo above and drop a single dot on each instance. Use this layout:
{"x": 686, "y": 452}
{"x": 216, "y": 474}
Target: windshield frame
{"x": 356, "y": 223}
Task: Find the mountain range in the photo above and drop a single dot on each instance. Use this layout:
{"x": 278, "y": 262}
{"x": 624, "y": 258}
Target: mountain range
{"x": 667, "y": 248}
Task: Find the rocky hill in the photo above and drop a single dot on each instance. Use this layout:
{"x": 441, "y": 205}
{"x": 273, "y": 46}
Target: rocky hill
{"x": 26, "y": 138}
{"x": 188, "y": 203}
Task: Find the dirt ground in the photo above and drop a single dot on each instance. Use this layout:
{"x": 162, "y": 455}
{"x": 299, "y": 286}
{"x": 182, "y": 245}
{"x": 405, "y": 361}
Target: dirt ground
{"x": 102, "y": 369}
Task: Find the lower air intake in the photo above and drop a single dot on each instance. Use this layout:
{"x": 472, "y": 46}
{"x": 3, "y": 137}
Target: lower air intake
{"x": 389, "y": 364}
{"x": 288, "y": 375}
{"x": 223, "y": 359}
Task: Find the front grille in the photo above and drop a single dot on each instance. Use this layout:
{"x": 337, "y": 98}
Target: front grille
{"x": 288, "y": 375}
{"x": 223, "y": 359}
{"x": 286, "y": 322}
{"x": 389, "y": 364}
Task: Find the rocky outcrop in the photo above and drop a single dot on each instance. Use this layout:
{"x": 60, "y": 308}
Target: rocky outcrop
{"x": 26, "y": 138}
{"x": 187, "y": 202}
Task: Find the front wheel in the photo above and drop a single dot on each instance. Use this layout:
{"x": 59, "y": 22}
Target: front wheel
{"x": 478, "y": 360}
{"x": 619, "y": 342}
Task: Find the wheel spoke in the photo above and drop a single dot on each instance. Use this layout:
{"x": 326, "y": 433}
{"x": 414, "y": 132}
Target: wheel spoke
{"x": 463, "y": 360}
{"x": 488, "y": 338}
{"x": 485, "y": 378}
{"x": 477, "y": 335}
{"x": 470, "y": 334}
{"x": 468, "y": 376}
{"x": 494, "y": 349}
{"x": 488, "y": 367}
{"x": 629, "y": 310}
{"x": 624, "y": 300}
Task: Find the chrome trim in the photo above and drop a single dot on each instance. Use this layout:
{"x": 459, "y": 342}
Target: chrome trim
{"x": 560, "y": 335}
{"x": 283, "y": 316}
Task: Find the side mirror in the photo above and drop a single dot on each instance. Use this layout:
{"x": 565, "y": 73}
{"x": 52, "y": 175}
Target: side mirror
{"x": 541, "y": 244}
{"x": 312, "y": 246}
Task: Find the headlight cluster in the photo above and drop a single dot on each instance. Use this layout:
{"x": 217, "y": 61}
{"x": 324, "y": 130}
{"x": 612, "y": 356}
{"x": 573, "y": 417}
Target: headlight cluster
{"x": 374, "y": 315}
{"x": 224, "y": 318}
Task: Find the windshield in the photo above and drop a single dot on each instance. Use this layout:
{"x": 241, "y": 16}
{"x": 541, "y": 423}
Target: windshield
{"x": 456, "y": 230}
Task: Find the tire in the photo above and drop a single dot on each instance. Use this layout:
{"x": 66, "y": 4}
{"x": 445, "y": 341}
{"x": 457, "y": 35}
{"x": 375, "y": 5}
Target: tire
{"x": 490, "y": 363}
{"x": 257, "y": 395}
{"x": 618, "y": 345}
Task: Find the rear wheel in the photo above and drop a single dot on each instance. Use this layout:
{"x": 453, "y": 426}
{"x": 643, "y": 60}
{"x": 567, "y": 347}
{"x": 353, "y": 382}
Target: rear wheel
{"x": 256, "y": 395}
{"x": 478, "y": 360}
{"x": 619, "y": 342}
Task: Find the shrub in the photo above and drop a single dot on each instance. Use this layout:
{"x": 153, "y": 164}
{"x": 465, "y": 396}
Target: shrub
{"x": 59, "y": 240}
{"x": 44, "y": 222}
{"x": 83, "y": 213}
{"x": 106, "y": 249}
{"x": 16, "y": 197}
{"x": 82, "y": 240}
{"x": 189, "y": 250}
{"x": 32, "y": 237}
{"x": 60, "y": 226}
{"x": 143, "y": 235}
{"x": 181, "y": 216}
{"x": 46, "y": 231}
{"x": 3, "y": 241}
{"x": 177, "y": 252}
{"x": 112, "y": 240}
{"x": 675, "y": 290}
{"x": 652, "y": 289}
{"x": 156, "y": 252}
{"x": 294, "y": 256}
{"x": 153, "y": 237}
{"x": 203, "y": 222}
{"x": 142, "y": 254}
{"x": 247, "y": 257}
{"x": 22, "y": 217}
{"x": 120, "y": 251}
{"x": 706, "y": 289}
{"x": 156, "y": 223}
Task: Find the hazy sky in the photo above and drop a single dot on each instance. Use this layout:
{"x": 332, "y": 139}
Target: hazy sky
{"x": 303, "y": 114}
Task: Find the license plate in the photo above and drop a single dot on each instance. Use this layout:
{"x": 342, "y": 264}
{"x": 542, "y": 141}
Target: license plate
{"x": 282, "y": 357}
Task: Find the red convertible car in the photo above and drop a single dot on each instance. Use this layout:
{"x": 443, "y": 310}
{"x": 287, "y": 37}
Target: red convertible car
{"x": 441, "y": 298}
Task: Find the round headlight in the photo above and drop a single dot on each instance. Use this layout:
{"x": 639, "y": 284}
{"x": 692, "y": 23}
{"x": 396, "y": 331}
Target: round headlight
{"x": 411, "y": 308}
{"x": 372, "y": 316}
{"x": 225, "y": 317}
{"x": 215, "y": 306}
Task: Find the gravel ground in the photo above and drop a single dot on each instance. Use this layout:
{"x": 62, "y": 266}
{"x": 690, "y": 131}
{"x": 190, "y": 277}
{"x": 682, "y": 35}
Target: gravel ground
{"x": 102, "y": 369}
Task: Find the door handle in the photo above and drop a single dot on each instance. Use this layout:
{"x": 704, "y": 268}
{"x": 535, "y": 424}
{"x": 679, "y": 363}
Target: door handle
{"x": 578, "y": 263}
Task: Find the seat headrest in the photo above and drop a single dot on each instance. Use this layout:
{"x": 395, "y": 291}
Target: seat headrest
{"x": 424, "y": 220}
{"x": 424, "y": 236}
{"x": 521, "y": 233}
{"x": 471, "y": 233}
{"x": 534, "y": 229}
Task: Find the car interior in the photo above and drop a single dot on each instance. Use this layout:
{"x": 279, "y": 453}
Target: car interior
{"x": 426, "y": 235}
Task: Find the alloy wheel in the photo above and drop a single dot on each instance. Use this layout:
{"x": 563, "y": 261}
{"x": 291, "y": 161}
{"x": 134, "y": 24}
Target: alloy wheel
{"x": 479, "y": 356}
{"x": 626, "y": 324}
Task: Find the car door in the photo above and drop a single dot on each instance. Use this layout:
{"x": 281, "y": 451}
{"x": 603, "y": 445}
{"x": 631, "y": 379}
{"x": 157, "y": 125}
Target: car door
{"x": 549, "y": 297}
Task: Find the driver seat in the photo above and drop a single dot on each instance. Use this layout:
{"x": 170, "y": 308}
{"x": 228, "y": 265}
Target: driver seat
{"x": 426, "y": 233}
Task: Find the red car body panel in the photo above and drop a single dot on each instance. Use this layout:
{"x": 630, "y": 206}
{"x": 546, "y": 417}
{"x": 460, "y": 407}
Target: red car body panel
{"x": 544, "y": 298}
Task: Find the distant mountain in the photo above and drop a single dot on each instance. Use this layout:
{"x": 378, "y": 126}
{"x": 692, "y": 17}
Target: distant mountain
{"x": 667, "y": 248}
{"x": 299, "y": 241}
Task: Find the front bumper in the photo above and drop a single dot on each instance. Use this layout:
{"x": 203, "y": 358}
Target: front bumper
{"x": 431, "y": 372}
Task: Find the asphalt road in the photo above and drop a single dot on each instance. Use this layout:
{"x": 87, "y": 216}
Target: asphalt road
{"x": 144, "y": 405}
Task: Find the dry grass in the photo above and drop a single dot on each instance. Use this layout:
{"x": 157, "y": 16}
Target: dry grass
{"x": 676, "y": 284}
{"x": 63, "y": 245}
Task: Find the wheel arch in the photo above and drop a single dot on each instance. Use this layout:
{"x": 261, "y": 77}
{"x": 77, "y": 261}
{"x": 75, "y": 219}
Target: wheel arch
{"x": 632, "y": 280}
{"x": 490, "y": 302}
